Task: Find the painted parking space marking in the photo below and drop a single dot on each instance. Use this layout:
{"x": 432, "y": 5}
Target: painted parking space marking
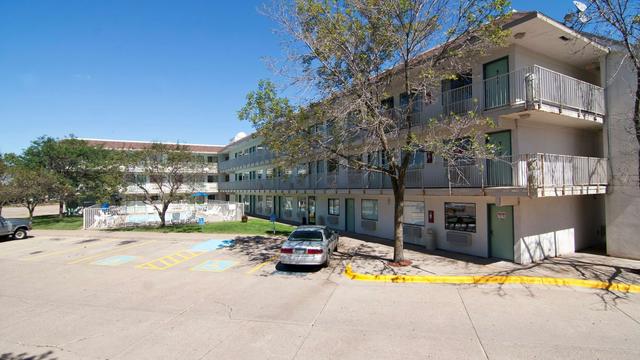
{"x": 115, "y": 260}
{"x": 170, "y": 261}
{"x": 211, "y": 245}
{"x": 111, "y": 251}
{"x": 261, "y": 265}
{"x": 214, "y": 265}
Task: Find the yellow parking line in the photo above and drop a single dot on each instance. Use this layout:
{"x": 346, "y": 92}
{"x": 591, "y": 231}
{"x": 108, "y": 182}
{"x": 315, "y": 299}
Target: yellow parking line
{"x": 261, "y": 265}
{"x": 127, "y": 247}
{"x": 153, "y": 264}
{"x": 490, "y": 279}
{"x": 76, "y": 248}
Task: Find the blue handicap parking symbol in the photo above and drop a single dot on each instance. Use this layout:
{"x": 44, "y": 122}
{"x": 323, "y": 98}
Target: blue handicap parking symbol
{"x": 115, "y": 260}
{"x": 214, "y": 265}
{"x": 211, "y": 245}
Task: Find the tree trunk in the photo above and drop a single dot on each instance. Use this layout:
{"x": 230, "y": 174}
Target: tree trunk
{"x": 398, "y": 212}
{"x": 61, "y": 208}
{"x": 163, "y": 213}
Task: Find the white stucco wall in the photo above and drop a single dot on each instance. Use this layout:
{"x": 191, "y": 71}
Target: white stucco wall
{"x": 623, "y": 198}
{"x": 555, "y": 226}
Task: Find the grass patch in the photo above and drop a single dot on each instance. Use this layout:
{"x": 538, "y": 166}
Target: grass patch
{"x": 53, "y": 222}
{"x": 252, "y": 227}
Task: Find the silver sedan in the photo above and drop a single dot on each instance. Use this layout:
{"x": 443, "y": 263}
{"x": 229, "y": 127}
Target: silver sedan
{"x": 309, "y": 245}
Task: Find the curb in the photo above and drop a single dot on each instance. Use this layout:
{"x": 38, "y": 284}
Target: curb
{"x": 492, "y": 279}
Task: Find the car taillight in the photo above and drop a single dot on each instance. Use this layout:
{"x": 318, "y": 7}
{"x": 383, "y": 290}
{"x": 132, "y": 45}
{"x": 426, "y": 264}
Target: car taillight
{"x": 286, "y": 251}
{"x": 314, "y": 251}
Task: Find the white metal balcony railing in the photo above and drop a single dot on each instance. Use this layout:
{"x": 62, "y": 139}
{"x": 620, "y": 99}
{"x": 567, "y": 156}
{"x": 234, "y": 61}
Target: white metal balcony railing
{"x": 529, "y": 86}
{"x": 529, "y": 171}
{"x": 252, "y": 158}
{"x": 536, "y": 85}
{"x": 154, "y": 189}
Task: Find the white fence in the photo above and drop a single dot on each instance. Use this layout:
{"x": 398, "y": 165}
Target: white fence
{"x": 136, "y": 214}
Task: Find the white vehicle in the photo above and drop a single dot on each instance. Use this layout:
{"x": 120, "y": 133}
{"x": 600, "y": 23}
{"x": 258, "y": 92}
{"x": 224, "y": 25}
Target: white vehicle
{"x": 309, "y": 245}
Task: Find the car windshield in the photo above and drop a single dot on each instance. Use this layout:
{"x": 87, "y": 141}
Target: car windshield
{"x": 307, "y": 235}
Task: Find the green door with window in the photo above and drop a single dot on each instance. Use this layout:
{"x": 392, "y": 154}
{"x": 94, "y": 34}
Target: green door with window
{"x": 499, "y": 171}
{"x": 496, "y": 83}
{"x": 350, "y": 219}
{"x": 501, "y": 232}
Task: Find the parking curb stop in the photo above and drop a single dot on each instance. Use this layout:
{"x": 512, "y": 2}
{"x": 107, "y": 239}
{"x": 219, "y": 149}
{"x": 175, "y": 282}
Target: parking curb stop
{"x": 492, "y": 279}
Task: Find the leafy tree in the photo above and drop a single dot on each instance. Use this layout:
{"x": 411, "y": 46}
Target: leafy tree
{"x": 81, "y": 170}
{"x": 349, "y": 55}
{"x": 164, "y": 174}
{"x": 30, "y": 187}
{"x": 5, "y": 194}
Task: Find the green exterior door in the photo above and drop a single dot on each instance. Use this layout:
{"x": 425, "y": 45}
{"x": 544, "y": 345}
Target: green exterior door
{"x": 311, "y": 208}
{"x": 501, "y": 232}
{"x": 350, "y": 218}
{"x": 499, "y": 172}
{"x": 496, "y": 83}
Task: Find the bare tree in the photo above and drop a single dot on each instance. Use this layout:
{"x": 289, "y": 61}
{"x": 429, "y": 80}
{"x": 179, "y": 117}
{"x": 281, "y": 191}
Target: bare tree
{"x": 165, "y": 174}
{"x": 350, "y": 55}
{"x": 616, "y": 22}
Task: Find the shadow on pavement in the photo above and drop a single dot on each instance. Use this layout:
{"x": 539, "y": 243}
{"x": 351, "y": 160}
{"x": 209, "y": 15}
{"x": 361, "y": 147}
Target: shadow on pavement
{"x": 25, "y": 356}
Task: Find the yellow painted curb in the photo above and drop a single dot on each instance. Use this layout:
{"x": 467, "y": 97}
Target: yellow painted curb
{"x": 491, "y": 279}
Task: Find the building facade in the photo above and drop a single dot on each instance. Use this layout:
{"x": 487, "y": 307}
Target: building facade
{"x": 544, "y": 198}
{"x": 207, "y": 154}
{"x": 566, "y": 178}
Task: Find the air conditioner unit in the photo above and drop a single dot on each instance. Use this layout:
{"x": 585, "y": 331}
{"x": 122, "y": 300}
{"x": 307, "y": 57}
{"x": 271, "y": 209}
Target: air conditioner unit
{"x": 368, "y": 225}
{"x": 459, "y": 238}
{"x": 413, "y": 234}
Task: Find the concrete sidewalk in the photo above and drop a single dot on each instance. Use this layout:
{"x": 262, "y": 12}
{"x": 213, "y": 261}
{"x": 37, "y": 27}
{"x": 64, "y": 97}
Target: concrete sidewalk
{"x": 373, "y": 257}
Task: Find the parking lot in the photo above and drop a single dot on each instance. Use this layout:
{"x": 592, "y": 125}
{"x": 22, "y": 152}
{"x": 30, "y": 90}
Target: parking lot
{"x": 88, "y": 295}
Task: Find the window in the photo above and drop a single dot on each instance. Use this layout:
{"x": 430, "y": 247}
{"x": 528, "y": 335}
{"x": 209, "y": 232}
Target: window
{"x": 414, "y": 212}
{"x": 319, "y": 166}
{"x": 332, "y": 165}
{"x": 288, "y": 207}
{"x": 416, "y": 159}
{"x": 307, "y": 235}
{"x": 212, "y": 178}
{"x": 456, "y": 94}
{"x": 269, "y": 202}
{"x": 387, "y": 103}
{"x": 370, "y": 209}
{"x": 334, "y": 207}
{"x": 416, "y": 100}
{"x": 460, "y": 216}
{"x": 210, "y": 159}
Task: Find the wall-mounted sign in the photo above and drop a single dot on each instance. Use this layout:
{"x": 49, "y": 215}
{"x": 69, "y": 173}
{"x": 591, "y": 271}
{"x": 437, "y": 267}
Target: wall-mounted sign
{"x": 430, "y": 216}
{"x": 501, "y": 215}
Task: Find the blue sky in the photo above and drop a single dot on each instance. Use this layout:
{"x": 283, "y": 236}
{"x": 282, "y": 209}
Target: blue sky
{"x": 137, "y": 70}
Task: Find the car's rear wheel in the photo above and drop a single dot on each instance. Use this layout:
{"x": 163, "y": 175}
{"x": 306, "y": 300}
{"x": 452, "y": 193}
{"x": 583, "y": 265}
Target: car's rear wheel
{"x": 19, "y": 234}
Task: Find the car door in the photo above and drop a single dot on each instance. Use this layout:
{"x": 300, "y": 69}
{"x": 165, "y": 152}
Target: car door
{"x": 4, "y": 227}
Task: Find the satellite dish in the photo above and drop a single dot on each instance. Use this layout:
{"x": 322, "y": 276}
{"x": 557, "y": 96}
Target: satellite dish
{"x": 581, "y": 11}
{"x": 580, "y": 6}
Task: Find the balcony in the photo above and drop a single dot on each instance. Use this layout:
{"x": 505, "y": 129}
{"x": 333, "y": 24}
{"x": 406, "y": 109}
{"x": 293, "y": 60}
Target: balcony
{"x": 532, "y": 175}
{"x": 153, "y": 189}
{"x": 538, "y": 88}
{"x": 255, "y": 158}
{"x": 532, "y": 88}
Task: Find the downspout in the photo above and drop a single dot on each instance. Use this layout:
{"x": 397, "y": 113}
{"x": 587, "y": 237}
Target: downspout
{"x": 607, "y": 118}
